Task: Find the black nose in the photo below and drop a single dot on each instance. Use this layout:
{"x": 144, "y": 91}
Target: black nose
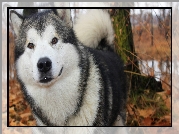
{"x": 44, "y": 64}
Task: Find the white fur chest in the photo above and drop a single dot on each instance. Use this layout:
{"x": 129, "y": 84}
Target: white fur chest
{"x": 59, "y": 100}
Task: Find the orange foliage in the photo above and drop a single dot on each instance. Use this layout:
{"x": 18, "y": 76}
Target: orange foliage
{"x": 19, "y": 110}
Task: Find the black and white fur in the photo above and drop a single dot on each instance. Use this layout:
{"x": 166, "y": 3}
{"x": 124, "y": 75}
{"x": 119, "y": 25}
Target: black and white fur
{"x": 76, "y": 80}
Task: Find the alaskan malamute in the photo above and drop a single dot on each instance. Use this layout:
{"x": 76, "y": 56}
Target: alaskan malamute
{"x": 70, "y": 76}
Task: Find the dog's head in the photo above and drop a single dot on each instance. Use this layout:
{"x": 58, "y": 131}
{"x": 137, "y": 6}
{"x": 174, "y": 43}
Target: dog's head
{"x": 45, "y": 46}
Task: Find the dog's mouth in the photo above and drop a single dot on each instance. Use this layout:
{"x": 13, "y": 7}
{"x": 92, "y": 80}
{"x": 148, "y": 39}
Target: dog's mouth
{"x": 47, "y": 79}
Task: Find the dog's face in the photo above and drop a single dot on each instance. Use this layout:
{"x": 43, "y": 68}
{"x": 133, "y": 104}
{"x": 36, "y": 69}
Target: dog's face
{"x": 45, "y": 48}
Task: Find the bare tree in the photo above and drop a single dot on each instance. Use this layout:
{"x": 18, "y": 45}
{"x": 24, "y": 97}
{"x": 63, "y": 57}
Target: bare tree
{"x": 151, "y": 29}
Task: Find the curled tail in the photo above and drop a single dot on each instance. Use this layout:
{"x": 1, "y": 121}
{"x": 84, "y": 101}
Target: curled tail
{"x": 94, "y": 29}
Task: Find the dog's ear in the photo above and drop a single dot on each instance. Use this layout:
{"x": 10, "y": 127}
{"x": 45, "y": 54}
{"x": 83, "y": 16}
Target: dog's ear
{"x": 16, "y": 20}
{"x": 65, "y": 15}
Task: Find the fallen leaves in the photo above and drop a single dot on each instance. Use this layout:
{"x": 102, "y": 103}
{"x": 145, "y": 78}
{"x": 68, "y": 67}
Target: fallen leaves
{"x": 19, "y": 110}
{"x": 147, "y": 121}
{"x": 149, "y": 109}
{"x": 146, "y": 112}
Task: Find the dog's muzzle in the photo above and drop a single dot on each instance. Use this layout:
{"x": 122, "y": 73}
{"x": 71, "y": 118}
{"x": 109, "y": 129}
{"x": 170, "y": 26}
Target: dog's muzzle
{"x": 44, "y": 66}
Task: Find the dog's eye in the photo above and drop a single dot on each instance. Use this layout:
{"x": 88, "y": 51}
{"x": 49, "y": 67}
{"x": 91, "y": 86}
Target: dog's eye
{"x": 54, "y": 40}
{"x": 30, "y": 45}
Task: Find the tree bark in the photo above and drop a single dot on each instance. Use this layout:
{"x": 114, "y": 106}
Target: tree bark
{"x": 124, "y": 46}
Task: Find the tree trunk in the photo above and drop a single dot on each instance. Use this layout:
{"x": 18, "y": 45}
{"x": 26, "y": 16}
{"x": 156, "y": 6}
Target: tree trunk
{"x": 124, "y": 46}
{"x": 151, "y": 28}
{"x": 124, "y": 41}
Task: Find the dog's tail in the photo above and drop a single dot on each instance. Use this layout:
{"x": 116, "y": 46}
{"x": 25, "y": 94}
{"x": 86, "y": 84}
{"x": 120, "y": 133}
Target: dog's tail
{"x": 94, "y": 29}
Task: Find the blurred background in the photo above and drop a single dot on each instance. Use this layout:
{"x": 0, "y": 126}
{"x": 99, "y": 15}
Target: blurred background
{"x": 152, "y": 63}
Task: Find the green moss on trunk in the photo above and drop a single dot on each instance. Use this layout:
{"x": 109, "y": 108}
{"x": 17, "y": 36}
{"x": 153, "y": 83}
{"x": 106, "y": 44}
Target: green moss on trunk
{"x": 125, "y": 48}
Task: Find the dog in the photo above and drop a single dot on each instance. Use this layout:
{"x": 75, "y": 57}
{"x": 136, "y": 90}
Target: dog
{"x": 70, "y": 75}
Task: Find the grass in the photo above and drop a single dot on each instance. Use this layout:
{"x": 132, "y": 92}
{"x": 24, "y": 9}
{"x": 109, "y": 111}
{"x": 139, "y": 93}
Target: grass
{"x": 146, "y": 105}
